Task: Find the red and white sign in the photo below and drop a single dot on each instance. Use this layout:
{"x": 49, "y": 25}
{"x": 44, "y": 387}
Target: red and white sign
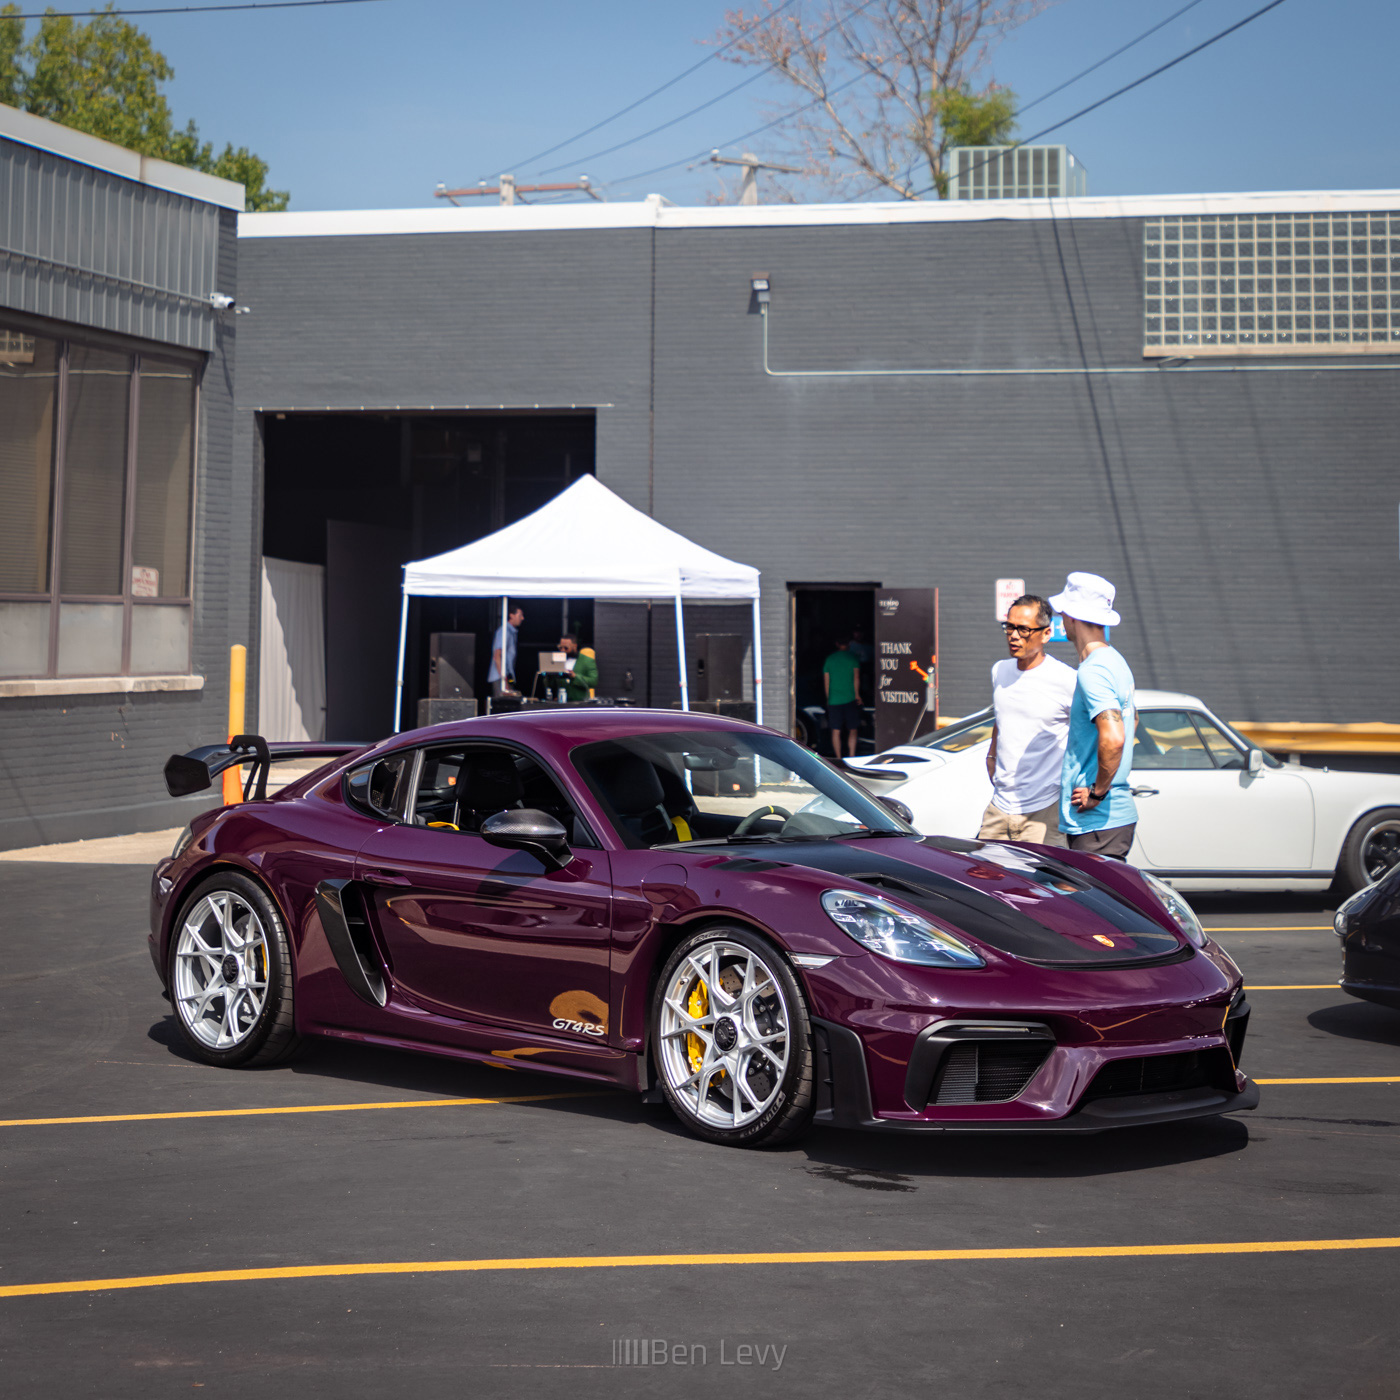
{"x": 145, "y": 583}
{"x": 1008, "y": 590}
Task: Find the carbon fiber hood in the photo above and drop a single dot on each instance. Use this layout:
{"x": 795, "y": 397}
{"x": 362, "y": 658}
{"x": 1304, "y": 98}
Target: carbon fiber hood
{"x": 1022, "y": 903}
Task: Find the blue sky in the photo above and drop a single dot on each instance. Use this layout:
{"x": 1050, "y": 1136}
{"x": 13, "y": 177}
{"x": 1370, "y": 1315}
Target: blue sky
{"x": 372, "y": 105}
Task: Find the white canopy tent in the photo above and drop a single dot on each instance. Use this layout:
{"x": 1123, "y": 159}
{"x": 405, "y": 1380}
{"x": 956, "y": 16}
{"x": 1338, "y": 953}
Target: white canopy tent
{"x": 585, "y": 543}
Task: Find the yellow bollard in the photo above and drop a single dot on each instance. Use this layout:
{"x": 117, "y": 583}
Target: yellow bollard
{"x": 237, "y": 696}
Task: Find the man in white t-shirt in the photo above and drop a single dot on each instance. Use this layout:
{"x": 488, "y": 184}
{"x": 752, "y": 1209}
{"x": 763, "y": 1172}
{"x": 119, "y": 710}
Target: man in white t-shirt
{"x": 1031, "y": 697}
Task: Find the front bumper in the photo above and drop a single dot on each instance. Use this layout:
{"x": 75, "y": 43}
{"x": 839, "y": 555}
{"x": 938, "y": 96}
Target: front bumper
{"x": 844, "y": 1099}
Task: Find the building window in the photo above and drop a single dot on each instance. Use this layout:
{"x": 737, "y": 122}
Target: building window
{"x": 96, "y": 490}
{"x": 1272, "y": 284}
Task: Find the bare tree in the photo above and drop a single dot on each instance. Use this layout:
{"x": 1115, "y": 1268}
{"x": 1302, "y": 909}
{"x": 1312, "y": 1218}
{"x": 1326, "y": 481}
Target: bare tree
{"x": 880, "y": 90}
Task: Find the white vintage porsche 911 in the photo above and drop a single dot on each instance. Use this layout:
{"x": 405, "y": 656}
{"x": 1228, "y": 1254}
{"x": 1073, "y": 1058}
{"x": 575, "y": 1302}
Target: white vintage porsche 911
{"x": 1215, "y": 812}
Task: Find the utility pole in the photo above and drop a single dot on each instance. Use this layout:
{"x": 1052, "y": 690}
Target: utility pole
{"x": 509, "y": 191}
{"x": 748, "y": 188}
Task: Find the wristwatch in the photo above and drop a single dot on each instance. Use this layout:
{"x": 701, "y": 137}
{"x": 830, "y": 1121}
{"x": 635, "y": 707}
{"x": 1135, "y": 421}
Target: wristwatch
{"x": 1097, "y": 796}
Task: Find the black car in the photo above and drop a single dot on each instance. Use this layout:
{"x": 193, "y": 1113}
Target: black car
{"x": 1369, "y": 926}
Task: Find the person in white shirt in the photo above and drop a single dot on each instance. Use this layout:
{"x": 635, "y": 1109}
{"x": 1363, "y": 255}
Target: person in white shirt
{"x": 1031, "y": 697}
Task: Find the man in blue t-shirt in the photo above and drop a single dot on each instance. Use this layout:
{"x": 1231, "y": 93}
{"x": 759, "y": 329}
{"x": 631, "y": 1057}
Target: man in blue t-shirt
{"x": 502, "y": 673}
{"x": 1097, "y": 812}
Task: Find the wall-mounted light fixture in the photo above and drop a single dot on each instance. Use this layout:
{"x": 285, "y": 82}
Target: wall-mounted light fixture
{"x": 220, "y": 302}
{"x": 759, "y": 286}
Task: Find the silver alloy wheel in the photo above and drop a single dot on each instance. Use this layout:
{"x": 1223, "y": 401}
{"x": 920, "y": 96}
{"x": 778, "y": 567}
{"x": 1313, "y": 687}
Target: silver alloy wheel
{"x": 1380, "y": 849}
{"x": 724, "y": 1034}
{"x": 221, "y": 960}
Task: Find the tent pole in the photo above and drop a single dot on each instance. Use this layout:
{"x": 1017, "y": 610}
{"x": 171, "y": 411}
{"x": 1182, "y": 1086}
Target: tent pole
{"x": 757, "y": 682}
{"x": 403, "y": 640}
{"x": 680, "y": 652}
{"x": 757, "y": 662}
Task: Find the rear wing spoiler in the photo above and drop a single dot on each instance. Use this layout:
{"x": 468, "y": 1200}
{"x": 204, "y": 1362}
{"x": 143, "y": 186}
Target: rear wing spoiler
{"x": 195, "y": 771}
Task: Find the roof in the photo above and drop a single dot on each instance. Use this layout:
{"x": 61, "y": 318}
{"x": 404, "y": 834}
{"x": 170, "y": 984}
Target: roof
{"x": 44, "y": 135}
{"x": 655, "y": 212}
{"x": 571, "y": 725}
{"x": 585, "y": 543}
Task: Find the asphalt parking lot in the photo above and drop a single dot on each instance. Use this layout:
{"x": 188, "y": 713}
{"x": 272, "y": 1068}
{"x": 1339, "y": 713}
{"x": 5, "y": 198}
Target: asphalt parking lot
{"x": 541, "y": 1190}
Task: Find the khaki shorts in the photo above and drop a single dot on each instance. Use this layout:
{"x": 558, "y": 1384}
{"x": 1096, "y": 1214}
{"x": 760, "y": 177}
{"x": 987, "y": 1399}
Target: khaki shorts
{"x": 1041, "y": 828}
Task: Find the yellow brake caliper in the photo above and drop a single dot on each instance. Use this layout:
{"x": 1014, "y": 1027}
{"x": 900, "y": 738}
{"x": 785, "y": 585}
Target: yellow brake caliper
{"x": 698, "y": 1005}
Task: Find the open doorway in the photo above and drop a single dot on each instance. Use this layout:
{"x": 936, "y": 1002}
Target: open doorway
{"x": 821, "y": 614}
{"x": 361, "y": 494}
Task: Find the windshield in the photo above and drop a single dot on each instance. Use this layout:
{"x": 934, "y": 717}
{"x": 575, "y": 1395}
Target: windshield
{"x": 722, "y": 786}
{"x": 961, "y": 734}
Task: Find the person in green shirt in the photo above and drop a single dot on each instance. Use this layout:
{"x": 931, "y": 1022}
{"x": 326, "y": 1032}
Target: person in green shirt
{"x": 841, "y": 682}
{"x": 582, "y": 680}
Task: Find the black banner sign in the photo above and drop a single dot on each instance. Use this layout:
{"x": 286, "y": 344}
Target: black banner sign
{"x": 906, "y": 664}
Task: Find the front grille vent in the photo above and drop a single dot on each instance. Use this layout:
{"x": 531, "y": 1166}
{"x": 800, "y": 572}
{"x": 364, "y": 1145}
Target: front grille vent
{"x": 1163, "y": 1074}
{"x": 988, "y": 1071}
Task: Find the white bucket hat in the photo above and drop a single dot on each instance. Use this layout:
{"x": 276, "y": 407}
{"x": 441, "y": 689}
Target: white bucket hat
{"x": 1087, "y": 598}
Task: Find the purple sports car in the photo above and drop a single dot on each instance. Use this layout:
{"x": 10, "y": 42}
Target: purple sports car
{"x": 693, "y": 909}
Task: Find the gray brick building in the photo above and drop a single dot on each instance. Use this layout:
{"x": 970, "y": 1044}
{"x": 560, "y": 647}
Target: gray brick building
{"x": 1195, "y": 396}
{"x": 124, "y": 530}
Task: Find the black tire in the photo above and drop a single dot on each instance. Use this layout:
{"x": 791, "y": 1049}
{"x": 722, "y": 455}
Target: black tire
{"x": 229, "y": 934}
{"x": 1371, "y": 849}
{"x": 780, "y": 1098}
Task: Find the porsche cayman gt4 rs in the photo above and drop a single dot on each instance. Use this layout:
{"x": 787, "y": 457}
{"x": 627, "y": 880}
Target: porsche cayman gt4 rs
{"x": 694, "y": 909}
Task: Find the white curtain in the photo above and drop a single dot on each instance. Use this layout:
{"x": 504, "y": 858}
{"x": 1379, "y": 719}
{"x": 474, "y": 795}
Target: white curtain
{"x": 292, "y": 657}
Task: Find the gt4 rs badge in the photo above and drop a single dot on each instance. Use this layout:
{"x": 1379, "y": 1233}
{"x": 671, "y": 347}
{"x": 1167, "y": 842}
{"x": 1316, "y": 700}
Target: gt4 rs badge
{"x": 562, "y": 1023}
{"x": 580, "y": 1013}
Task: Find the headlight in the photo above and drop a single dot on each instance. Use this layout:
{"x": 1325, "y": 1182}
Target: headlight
{"x": 884, "y": 928}
{"x": 1183, "y": 914}
{"x": 186, "y": 836}
{"x": 1349, "y": 908}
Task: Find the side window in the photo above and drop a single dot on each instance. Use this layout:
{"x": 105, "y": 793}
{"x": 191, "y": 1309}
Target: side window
{"x": 380, "y": 788}
{"x": 459, "y": 787}
{"x": 1168, "y": 739}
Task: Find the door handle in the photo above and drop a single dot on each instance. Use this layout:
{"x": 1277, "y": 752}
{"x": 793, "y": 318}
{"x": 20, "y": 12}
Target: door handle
{"x": 386, "y": 878}
{"x": 1144, "y": 792}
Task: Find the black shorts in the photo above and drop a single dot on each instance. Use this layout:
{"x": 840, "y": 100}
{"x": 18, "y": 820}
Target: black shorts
{"x": 845, "y": 716}
{"x": 1115, "y": 841}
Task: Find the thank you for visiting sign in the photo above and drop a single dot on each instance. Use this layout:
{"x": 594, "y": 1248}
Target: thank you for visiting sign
{"x": 906, "y": 665}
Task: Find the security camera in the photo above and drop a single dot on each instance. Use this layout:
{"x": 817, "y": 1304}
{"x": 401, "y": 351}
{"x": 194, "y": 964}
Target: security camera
{"x": 219, "y": 301}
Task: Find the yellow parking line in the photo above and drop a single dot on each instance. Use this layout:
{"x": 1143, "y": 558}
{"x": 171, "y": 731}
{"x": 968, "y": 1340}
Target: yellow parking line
{"x": 652, "y": 1261}
{"x": 1274, "y": 928}
{"x": 1375, "y": 1079}
{"x": 1296, "y": 987}
{"x": 260, "y": 1112}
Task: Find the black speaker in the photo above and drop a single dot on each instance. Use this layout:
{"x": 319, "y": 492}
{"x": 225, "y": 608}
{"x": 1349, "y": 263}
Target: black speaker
{"x": 717, "y": 668}
{"x": 451, "y": 665}
{"x": 444, "y": 711}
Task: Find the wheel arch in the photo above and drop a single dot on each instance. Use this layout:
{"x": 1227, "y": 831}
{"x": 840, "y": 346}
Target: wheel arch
{"x": 179, "y": 897}
{"x": 670, "y": 934}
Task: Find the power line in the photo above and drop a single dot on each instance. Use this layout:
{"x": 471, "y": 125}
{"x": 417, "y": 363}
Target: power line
{"x": 1127, "y": 87}
{"x": 1146, "y": 33}
{"x": 734, "y": 141}
{"x": 191, "y": 9}
{"x": 763, "y": 72}
{"x": 655, "y": 92}
{"x": 632, "y": 141}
